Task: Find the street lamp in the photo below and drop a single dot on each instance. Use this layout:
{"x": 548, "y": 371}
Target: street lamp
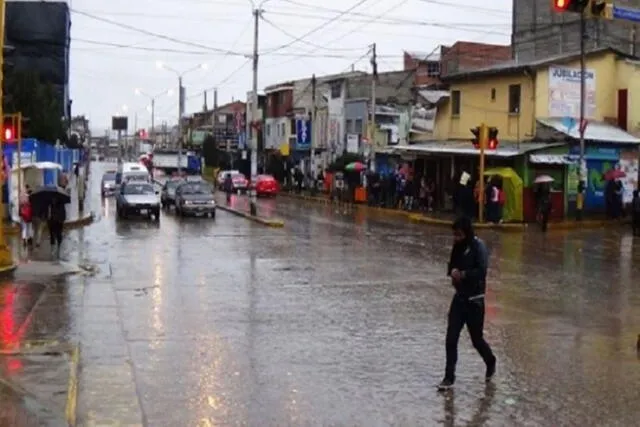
{"x": 181, "y": 99}
{"x": 152, "y": 107}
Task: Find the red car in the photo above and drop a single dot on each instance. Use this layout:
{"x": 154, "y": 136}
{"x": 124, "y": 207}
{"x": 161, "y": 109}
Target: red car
{"x": 266, "y": 185}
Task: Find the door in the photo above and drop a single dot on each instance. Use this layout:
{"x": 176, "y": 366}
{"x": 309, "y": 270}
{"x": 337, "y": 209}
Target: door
{"x": 623, "y": 95}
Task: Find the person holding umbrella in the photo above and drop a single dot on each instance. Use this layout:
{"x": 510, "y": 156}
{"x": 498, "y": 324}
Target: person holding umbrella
{"x": 543, "y": 200}
{"x": 51, "y": 201}
{"x": 26, "y": 219}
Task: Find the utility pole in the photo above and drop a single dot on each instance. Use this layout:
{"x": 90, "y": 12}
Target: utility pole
{"x": 314, "y": 114}
{"x": 582, "y": 125}
{"x": 253, "y": 205}
{"x": 180, "y": 114}
{"x": 483, "y": 137}
{"x": 136, "y": 139}
{"x": 153, "y": 119}
{"x": 372, "y": 136}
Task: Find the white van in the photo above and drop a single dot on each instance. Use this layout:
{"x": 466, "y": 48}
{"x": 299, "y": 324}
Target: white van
{"x": 132, "y": 171}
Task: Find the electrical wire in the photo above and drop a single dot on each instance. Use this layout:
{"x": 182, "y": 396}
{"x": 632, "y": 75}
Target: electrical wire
{"x": 318, "y": 28}
{"x": 288, "y": 34}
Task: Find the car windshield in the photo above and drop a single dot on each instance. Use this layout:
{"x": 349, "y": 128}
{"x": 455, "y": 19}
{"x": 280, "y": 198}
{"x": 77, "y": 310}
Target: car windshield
{"x": 197, "y": 188}
{"x": 141, "y": 189}
{"x": 173, "y": 184}
{"x": 110, "y": 176}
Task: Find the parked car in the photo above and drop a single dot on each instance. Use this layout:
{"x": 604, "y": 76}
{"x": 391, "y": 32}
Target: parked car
{"x": 108, "y": 185}
{"x": 266, "y": 185}
{"x": 137, "y": 198}
{"x": 195, "y": 198}
{"x": 168, "y": 192}
{"x": 240, "y": 182}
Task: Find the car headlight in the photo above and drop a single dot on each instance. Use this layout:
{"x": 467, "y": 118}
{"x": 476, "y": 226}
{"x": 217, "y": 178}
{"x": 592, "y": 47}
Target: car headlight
{"x": 186, "y": 202}
{"x": 212, "y": 202}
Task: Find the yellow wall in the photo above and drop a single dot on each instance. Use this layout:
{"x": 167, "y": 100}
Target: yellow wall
{"x": 477, "y": 107}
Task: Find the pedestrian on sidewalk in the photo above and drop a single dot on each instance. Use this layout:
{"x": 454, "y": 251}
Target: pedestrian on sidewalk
{"x": 55, "y": 221}
{"x": 635, "y": 212}
{"x": 26, "y": 220}
{"x": 468, "y": 271}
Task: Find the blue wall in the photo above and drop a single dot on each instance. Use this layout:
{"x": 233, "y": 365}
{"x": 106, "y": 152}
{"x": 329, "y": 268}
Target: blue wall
{"x": 45, "y": 153}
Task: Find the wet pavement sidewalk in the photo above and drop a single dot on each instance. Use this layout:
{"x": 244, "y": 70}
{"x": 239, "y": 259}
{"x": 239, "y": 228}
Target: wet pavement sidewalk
{"x": 241, "y": 203}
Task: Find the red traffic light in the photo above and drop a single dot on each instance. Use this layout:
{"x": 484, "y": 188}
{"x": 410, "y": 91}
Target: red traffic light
{"x": 476, "y": 137}
{"x": 576, "y": 6}
{"x": 8, "y": 129}
{"x": 493, "y": 139}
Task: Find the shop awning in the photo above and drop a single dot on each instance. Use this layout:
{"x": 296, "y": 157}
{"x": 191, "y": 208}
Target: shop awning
{"x": 465, "y": 148}
{"x": 552, "y": 159}
{"x": 595, "y": 131}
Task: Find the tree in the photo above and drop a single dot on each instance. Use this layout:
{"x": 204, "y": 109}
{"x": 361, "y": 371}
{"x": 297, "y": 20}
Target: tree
{"x": 26, "y": 93}
{"x": 213, "y": 156}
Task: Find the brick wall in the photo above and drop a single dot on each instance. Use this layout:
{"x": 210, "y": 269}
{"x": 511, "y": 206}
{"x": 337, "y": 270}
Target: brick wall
{"x": 279, "y": 104}
{"x": 464, "y": 56}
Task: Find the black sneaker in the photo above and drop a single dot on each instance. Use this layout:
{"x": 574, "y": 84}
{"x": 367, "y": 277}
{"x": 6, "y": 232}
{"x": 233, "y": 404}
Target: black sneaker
{"x": 491, "y": 371}
{"x": 446, "y": 384}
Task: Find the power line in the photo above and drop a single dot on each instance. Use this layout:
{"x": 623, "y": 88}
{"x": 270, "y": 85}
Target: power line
{"x": 318, "y": 28}
{"x": 288, "y": 34}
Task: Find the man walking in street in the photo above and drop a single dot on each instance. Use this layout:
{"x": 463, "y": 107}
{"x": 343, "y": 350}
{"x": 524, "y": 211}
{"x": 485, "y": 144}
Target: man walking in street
{"x": 635, "y": 213}
{"x": 468, "y": 271}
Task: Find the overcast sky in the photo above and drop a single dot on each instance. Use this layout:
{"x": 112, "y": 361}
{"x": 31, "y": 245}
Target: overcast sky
{"x": 109, "y": 60}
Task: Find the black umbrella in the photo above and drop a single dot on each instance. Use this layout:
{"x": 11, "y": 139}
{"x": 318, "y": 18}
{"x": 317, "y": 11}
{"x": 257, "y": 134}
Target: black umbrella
{"x": 42, "y": 197}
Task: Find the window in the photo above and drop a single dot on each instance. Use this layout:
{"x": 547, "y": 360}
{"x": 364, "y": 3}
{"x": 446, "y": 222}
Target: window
{"x": 433, "y": 69}
{"x": 268, "y": 130}
{"x": 493, "y": 95}
{"x": 455, "y": 103}
{"x": 514, "y": 99}
{"x": 294, "y": 131}
{"x": 358, "y": 126}
{"x": 336, "y": 90}
{"x": 283, "y": 130}
{"x": 350, "y": 126}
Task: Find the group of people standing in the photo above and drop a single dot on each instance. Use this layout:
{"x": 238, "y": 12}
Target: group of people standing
{"x": 402, "y": 190}
{"x": 466, "y": 198}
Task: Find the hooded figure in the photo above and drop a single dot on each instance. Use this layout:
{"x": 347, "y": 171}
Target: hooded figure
{"x": 468, "y": 271}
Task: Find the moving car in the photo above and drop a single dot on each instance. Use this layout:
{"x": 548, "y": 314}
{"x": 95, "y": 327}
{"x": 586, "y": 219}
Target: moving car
{"x": 139, "y": 199}
{"x": 195, "y": 198}
{"x": 108, "y": 185}
{"x": 240, "y": 182}
{"x": 168, "y": 193}
{"x": 132, "y": 171}
{"x": 266, "y": 185}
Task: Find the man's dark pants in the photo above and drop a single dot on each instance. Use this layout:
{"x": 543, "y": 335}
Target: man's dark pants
{"x": 471, "y": 313}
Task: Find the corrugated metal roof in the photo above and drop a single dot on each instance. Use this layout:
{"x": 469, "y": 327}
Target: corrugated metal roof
{"x": 433, "y": 96}
{"x": 551, "y": 159}
{"x": 464, "y": 147}
{"x": 595, "y": 131}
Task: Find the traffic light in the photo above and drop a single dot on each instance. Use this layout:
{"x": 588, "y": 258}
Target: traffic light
{"x": 492, "y": 144}
{"x": 9, "y": 128}
{"x": 601, "y": 9}
{"x": 476, "y": 137}
{"x": 572, "y": 6}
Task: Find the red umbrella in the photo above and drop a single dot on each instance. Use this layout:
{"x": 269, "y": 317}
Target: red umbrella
{"x": 613, "y": 174}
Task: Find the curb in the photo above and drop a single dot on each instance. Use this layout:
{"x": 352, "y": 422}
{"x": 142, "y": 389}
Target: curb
{"x": 507, "y": 227}
{"x": 80, "y": 222}
{"x": 274, "y": 223}
{"x": 70, "y": 409}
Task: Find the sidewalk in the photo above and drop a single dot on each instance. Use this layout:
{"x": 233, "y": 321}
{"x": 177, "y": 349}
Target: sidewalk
{"x": 445, "y": 219}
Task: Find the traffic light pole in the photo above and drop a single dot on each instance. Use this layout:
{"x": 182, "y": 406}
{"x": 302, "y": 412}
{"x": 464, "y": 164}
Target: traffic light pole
{"x": 583, "y": 94}
{"x": 6, "y": 257}
{"x": 484, "y": 136}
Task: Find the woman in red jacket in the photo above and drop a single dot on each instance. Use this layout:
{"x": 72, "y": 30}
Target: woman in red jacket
{"x": 26, "y": 221}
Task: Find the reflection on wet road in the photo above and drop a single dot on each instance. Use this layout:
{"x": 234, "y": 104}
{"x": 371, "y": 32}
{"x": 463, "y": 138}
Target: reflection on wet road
{"x": 338, "y": 319}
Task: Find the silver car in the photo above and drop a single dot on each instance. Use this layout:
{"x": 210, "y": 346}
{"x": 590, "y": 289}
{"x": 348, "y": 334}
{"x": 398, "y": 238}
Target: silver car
{"x": 108, "y": 185}
{"x": 137, "y": 198}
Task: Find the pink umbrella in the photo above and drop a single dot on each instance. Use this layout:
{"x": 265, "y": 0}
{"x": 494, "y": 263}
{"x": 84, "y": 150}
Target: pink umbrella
{"x": 613, "y": 174}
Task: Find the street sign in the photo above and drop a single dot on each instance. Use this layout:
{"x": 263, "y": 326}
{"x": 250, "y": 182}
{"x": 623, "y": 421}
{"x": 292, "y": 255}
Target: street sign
{"x": 626, "y": 14}
{"x": 303, "y": 134}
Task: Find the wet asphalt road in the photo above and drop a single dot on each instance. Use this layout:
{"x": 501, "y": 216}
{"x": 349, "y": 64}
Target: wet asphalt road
{"x": 338, "y": 319}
